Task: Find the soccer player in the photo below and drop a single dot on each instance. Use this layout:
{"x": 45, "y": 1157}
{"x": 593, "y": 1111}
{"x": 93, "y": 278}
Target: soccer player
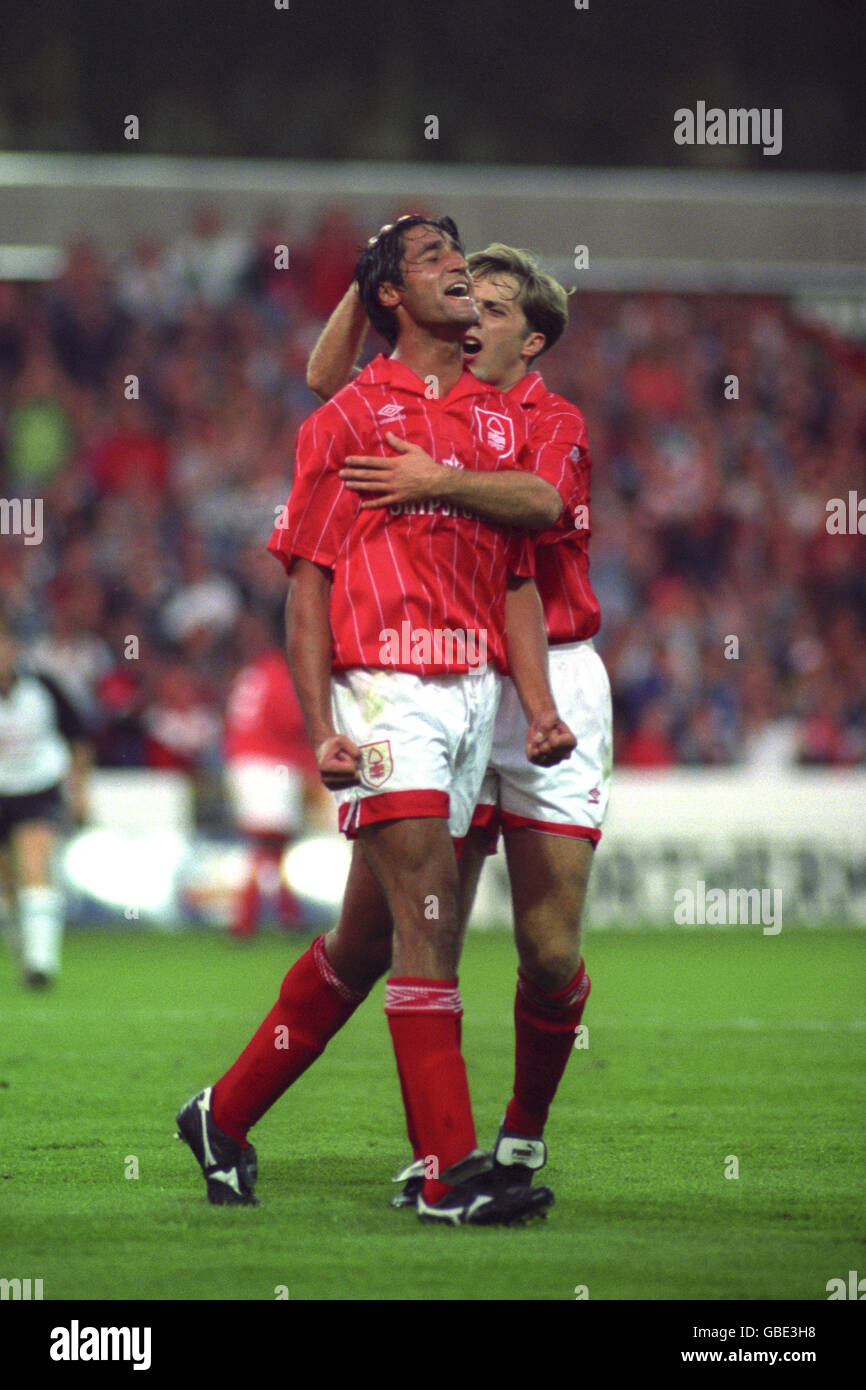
{"x": 390, "y": 619}
{"x": 551, "y": 816}
{"x": 268, "y": 763}
{"x": 42, "y": 744}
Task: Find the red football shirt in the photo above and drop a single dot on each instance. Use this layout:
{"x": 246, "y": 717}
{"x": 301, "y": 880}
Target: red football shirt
{"x": 263, "y": 717}
{"x": 558, "y": 440}
{"x": 419, "y": 567}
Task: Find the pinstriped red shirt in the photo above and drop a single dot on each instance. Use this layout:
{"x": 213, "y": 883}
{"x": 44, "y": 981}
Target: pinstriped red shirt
{"x": 558, "y": 440}
{"x": 431, "y": 565}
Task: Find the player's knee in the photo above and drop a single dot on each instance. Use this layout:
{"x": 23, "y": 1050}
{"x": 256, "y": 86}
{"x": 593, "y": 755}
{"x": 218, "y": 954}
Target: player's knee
{"x": 550, "y": 965}
{"x": 371, "y": 951}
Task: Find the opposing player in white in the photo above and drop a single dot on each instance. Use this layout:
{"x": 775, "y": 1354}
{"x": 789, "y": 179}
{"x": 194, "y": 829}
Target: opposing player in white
{"x": 42, "y": 745}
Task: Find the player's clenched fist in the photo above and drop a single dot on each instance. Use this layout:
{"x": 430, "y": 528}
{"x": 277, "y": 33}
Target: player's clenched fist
{"x": 338, "y": 759}
{"x": 549, "y": 740}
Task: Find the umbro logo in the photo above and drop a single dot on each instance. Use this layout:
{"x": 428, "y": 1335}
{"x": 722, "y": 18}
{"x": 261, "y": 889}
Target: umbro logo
{"x": 391, "y": 412}
{"x": 595, "y": 796}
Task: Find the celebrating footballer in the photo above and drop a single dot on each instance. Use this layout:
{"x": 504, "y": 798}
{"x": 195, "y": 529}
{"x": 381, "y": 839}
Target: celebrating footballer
{"x": 435, "y": 539}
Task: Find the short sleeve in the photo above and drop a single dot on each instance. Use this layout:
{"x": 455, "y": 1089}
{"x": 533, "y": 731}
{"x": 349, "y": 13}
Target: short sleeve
{"x": 558, "y": 451}
{"x": 320, "y": 508}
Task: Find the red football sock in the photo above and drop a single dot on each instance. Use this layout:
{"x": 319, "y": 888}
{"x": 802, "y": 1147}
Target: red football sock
{"x": 544, "y": 1026}
{"x": 417, "y": 1151}
{"x": 313, "y": 1006}
{"x": 423, "y": 1016}
{"x": 411, "y": 1129}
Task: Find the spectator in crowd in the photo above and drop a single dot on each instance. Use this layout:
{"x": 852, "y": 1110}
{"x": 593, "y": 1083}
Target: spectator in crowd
{"x": 181, "y": 722}
{"x": 209, "y": 263}
{"x": 72, "y": 651}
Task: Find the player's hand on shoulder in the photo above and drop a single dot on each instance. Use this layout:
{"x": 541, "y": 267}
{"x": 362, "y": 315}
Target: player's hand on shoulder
{"x": 549, "y": 740}
{"x": 338, "y": 760}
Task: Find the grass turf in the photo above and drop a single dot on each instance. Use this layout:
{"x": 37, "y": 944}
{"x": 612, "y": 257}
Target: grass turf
{"x": 702, "y": 1046}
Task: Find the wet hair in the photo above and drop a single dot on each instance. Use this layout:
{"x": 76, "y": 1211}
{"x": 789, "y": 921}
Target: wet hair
{"x": 379, "y": 264}
{"x": 543, "y": 300}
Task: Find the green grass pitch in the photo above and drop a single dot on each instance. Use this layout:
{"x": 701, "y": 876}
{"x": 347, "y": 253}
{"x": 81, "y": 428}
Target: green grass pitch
{"x": 703, "y": 1046}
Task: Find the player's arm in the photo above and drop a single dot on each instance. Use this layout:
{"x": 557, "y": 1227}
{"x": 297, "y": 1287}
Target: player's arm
{"x": 338, "y": 346}
{"x": 73, "y": 727}
{"x": 549, "y": 740}
{"x": 509, "y": 497}
{"x": 309, "y": 650}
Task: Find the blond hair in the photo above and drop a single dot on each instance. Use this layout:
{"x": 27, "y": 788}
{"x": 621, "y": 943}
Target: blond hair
{"x": 541, "y": 298}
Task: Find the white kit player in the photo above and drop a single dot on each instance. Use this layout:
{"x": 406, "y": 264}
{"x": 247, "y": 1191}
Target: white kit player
{"x": 43, "y": 746}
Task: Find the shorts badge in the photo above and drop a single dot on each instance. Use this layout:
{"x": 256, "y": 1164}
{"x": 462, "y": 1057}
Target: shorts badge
{"x": 376, "y": 763}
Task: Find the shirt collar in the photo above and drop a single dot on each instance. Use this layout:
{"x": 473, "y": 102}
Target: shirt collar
{"x": 384, "y": 371}
{"x": 529, "y": 390}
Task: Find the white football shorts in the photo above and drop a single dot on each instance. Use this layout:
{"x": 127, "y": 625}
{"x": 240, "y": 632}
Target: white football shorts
{"x": 266, "y": 797}
{"x": 570, "y": 798}
{"x": 425, "y": 744}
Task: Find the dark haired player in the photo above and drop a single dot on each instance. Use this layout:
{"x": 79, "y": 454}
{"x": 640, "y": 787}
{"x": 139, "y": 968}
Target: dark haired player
{"x": 43, "y": 744}
{"x": 405, "y": 738}
{"x": 551, "y": 817}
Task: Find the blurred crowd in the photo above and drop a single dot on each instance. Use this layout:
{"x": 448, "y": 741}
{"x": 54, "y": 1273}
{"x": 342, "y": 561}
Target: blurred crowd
{"x": 152, "y": 402}
{"x": 733, "y": 621}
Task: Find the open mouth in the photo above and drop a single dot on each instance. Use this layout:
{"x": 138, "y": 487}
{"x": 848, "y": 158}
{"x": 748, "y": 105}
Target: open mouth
{"x": 459, "y": 290}
{"x": 471, "y": 345}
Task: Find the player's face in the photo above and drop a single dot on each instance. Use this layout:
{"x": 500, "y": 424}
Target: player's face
{"x": 437, "y": 287}
{"x": 496, "y": 350}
